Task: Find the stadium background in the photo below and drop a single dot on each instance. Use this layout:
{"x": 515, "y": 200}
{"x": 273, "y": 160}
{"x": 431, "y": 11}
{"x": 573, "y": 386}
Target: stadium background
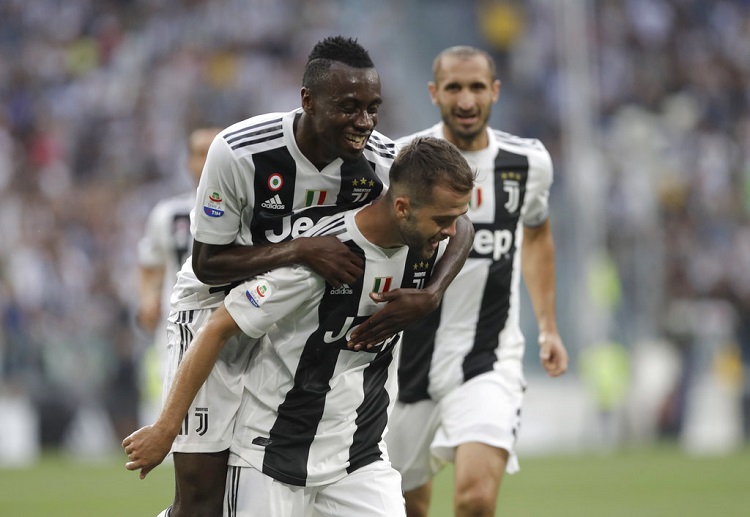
{"x": 643, "y": 104}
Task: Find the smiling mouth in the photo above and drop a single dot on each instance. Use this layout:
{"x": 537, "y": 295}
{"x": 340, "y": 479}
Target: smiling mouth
{"x": 467, "y": 119}
{"x": 357, "y": 141}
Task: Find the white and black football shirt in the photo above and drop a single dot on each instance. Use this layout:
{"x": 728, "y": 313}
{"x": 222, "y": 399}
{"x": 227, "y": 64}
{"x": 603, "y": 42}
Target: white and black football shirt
{"x": 312, "y": 409}
{"x": 258, "y": 188}
{"x": 166, "y": 240}
{"x": 477, "y": 324}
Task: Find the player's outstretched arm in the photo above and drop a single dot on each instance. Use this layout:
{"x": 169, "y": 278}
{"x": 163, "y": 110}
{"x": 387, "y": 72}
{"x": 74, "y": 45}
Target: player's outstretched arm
{"x": 538, "y": 266}
{"x": 147, "y": 447}
{"x": 326, "y": 255}
{"x": 150, "y": 281}
{"x": 406, "y": 306}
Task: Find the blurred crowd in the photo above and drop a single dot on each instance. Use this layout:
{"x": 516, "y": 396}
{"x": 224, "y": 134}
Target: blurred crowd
{"x": 97, "y": 97}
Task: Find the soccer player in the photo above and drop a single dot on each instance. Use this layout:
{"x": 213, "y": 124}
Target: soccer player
{"x": 309, "y": 434}
{"x": 267, "y": 179}
{"x": 163, "y": 248}
{"x": 460, "y": 379}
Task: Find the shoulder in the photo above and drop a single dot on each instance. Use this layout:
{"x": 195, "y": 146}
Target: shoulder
{"x": 264, "y": 129}
{"x": 517, "y": 144}
{"x": 380, "y": 148}
{"x": 433, "y": 131}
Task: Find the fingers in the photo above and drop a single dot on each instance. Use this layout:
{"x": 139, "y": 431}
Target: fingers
{"x": 373, "y": 331}
{"x": 554, "y": 361}
{"x": 145, "y": 471}
{"x": 331, "y": 258}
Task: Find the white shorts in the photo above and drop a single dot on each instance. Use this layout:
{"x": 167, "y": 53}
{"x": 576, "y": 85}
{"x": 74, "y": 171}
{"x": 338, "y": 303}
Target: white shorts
{"x": 370, "y": 491}
{"x": 209, "y": 424}
{"x": 423, "y": 436}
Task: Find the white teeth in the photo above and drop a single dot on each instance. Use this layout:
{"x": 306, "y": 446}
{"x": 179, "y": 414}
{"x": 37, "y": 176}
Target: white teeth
{"x": 357, "y": 140}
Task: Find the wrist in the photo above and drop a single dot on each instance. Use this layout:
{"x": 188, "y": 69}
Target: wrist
{"x": 166, "y": 429}
{"x": 434, "y": 295}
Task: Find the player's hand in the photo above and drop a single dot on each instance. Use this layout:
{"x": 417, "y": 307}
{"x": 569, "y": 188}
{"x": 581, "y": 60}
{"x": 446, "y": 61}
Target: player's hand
{"x": 146, "y": 448}
{"x": 552, "y": 354}
{"x": 403, "y": 307}
{"x": 330, "y": 258}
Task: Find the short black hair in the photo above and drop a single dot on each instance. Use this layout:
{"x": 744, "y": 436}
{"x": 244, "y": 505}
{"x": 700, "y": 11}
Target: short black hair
{"x": 334, "y": 49}
{"x": 426, "y": 162}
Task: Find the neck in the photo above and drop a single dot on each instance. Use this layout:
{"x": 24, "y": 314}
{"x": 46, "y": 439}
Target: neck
{"x": 475, "y": 143}
{"x": 376, "y": 223}
{"x": 304, "y": 135}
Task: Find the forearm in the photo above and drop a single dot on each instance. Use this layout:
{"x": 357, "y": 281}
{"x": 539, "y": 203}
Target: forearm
{"x": 454, "y": 257}
{"x": 193, "y": 371}
{"x": 538, "y": 267}
{"x": 224, "y": 264}
{"x": 150, "y": 281}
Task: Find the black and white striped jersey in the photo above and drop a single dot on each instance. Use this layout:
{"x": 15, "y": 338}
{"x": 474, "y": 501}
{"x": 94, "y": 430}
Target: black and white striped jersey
{"x": 312, "y": 409}
{"x": 258, "y": 188}
{"x": 478, "y": 322}
{"x": 166, "y": 240}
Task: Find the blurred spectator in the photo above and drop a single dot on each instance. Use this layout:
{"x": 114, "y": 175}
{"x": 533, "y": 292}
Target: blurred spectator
{"x": 94, "y": 109}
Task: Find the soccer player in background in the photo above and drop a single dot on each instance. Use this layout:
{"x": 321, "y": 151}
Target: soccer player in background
{"x": 267, "y": 179}
{"x": 461, "y": 382}
{"x": 314, "y": 411}
{"x": 163, "y": 248}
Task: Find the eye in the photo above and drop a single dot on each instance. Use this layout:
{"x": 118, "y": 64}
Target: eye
{"x": 444, "y": 222}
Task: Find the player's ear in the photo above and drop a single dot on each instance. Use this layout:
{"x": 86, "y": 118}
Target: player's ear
{"x": 308, "y": 106}
{"x": 496, "y": 90}
{"x": 432, "y": 87}
{"x": 402, "y": 207}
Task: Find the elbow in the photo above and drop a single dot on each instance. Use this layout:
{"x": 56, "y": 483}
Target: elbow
{"x": 465, "y": 226}
{"x": 202, "y": 269}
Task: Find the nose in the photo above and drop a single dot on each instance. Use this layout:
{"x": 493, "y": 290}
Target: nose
{"x": 465, "y": 100}
{"x": 450, "y": 231}
{"x": 365, "y": 120}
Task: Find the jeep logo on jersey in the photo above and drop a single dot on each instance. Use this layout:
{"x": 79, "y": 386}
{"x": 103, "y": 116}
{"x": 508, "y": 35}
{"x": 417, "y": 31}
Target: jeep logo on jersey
{"x": 290, "y": 229}
{"x": 345, "y": 334}
{"x": 497, "y": 243}
{"x": 362, "y": 189}
{"x": 214, "y": 204}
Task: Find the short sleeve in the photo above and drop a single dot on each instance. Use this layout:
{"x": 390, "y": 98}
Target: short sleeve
{"x": 259, "y": 303}
{"x": 222, "y": 194}
{"x": 536, "y": 210}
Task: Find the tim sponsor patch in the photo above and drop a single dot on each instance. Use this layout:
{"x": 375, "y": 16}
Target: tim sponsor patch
{"x": 213, "y": 206}
{"x": 258, "y": 293}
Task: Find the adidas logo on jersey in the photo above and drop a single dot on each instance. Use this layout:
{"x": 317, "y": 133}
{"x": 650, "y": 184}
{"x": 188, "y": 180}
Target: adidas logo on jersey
{"x": 273, "y": 204}
{"x": 344, "y": 289}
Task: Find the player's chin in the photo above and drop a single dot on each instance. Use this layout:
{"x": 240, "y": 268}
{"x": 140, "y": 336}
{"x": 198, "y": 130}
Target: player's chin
{"x": 429, "y": 250}
{"x": 351, "y": 153}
